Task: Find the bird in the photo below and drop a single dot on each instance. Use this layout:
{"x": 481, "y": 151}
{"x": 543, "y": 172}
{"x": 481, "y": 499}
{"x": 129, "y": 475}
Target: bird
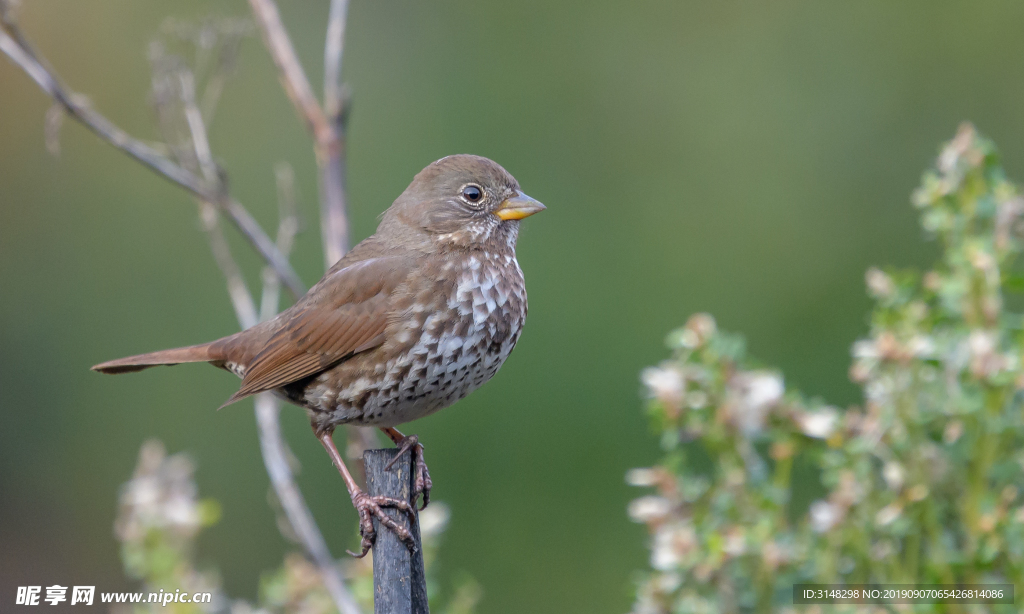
{"x": 409, "y": 321}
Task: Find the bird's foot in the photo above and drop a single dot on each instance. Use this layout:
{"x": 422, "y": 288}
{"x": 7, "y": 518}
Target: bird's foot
{"x": 369, "y": 507}
{"x": 421, "y": 484}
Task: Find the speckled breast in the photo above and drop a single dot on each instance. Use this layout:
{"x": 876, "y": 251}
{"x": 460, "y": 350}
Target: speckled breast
{"x": 438, "y": 351}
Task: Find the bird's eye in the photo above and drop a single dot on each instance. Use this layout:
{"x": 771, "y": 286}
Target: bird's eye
{"x": 472, "y": 193}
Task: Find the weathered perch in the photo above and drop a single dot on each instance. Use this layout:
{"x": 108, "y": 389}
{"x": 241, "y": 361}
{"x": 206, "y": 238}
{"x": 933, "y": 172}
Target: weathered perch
{"x": 399, "y": 584}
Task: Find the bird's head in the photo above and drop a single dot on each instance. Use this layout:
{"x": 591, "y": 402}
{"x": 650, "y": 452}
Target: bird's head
{"x": 462, "y": 201}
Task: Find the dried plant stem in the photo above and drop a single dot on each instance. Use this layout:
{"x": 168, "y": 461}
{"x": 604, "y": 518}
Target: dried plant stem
{"x": 241, "y": 298}
{"x": 326, "y": 129}
{"x": 333, "y": 51}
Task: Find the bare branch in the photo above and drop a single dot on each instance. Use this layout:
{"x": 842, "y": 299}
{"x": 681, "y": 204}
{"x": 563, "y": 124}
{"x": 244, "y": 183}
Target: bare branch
{"x": 333, "y": 50}
{"x": 332, "y": 164}
{"x": 327, "y": 130}
{"x": 333, "y": 217}
{"x": 23, "y": 56}
{"x": 293, "y": 78}
{"x": 241, "y": 298}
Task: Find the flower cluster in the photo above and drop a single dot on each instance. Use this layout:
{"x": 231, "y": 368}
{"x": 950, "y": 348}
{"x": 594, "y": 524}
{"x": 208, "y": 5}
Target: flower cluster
{"x": 158, "y": 520}
{"x": 921, "y": 483}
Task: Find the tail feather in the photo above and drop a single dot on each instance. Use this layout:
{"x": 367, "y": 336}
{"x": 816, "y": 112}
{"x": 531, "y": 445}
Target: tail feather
{"x": 195, "y": 353}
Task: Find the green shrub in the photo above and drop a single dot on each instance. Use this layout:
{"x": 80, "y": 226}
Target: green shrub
{"x": 921, "y": 484}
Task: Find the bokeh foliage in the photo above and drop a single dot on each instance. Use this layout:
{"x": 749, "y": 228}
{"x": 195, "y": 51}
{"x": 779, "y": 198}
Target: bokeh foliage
{"x": 923, "y": 478}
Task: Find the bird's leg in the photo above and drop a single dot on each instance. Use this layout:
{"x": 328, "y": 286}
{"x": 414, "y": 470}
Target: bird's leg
{"x": 421, "y": 482}
{"x": 368, "y": 506}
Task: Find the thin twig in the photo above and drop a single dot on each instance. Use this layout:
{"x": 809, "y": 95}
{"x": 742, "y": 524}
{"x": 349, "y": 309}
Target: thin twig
{"x": 327, "y": 130}
{"x": 333, "y": 51}
{"x": 23, "y": 56}
{"x": 333, "y": 217}
{"x": 241, "y": 298}
{"x": 332, "y": 164}
{"x": 293, "y": 78}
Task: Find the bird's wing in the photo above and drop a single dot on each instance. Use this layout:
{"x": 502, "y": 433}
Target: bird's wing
{"x": 344, "y": 314}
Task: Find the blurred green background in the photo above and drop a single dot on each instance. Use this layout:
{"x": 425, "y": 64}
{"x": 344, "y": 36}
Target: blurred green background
{"x": 748, "y": 160}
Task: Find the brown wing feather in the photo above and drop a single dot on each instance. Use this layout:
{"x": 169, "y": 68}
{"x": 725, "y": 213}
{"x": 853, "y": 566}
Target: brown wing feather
{"x": 346, "y": 313}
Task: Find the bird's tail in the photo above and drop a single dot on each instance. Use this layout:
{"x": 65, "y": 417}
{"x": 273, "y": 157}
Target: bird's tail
{"x": 205, "y": 352}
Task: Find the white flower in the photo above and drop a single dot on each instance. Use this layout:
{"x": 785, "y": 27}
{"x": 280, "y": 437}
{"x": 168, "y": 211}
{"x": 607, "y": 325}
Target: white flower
{"x": 689, "y": 339}
{"x": 865, "y": 348}
{"x": 877, "y": 392}
{"x": 879, "y": 284}
{"x": 820, "y": 424}
{"x": 824, "y": 516}
{"x": 648, "y": 509}
{"x": 663, "y": 556}
{"x": 752, "y": 395}
{"x": 664, "y": 383}
{"x": 160, "y": 495}
{"x": 671, "y": 542}
{"x": 699, "y": 328}
{"x": 642, "y": 477}
{"x": 981, "y": 342}
{"x": 893, "y": 474}
{"x": 765, "y": 389}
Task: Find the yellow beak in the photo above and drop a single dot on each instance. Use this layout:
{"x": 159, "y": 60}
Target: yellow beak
{"x": 517, "y": 207}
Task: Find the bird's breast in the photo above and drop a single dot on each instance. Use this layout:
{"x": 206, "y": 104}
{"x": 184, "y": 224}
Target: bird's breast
{"x": 491, "y": 293}
{"x": 453, "y": 333}
{"x": 466, "y": 338}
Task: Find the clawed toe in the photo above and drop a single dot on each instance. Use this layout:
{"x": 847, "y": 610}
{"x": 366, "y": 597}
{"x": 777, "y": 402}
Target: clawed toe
{"x": 422, "y": 483}
{"x": 370, "y": 507}
{"x": 421, "y": 478}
